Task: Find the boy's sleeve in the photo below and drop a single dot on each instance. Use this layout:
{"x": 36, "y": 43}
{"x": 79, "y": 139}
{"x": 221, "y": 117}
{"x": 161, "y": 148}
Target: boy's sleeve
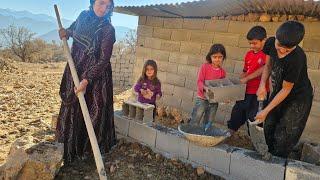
{"x": 201, "y": 78}
{"x": 293, "y": 69}
{"x": 245, "y": 63}
{"x": 223, "y": 74}
{"x": 268, "y": 45}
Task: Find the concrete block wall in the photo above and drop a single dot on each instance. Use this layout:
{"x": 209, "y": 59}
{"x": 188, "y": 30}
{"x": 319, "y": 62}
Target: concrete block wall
{"x": 180, "y": 45}
{"x": 122, "y": 70}
{"x": 222, "y": 160}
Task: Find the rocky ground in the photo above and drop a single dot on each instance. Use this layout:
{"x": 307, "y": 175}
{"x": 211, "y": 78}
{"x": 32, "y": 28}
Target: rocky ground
{"x": 28, "y": 100}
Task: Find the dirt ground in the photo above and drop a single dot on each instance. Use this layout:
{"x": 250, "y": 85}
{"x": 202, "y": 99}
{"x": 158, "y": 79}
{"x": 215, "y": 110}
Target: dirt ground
{"x": 28, "y": 100}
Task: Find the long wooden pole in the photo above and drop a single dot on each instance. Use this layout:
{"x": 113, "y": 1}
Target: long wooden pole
{"x": 83, "y": 104}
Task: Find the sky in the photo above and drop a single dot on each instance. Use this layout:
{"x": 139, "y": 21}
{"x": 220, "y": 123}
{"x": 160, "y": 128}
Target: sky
{"x": 70, "y": 9}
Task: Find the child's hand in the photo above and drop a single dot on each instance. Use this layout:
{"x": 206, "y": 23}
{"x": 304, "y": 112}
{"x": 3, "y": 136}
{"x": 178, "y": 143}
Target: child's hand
{"x": 143, "y": 92}
{"x": 244, "y": 80}
{"x": 261, "y": 116}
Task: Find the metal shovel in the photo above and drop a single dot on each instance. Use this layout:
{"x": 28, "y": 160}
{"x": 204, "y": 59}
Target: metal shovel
{"x": 257, "y": 136}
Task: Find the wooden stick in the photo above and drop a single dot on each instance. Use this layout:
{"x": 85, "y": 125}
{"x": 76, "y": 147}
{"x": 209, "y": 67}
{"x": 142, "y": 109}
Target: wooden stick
{"x": 83, "y": 104}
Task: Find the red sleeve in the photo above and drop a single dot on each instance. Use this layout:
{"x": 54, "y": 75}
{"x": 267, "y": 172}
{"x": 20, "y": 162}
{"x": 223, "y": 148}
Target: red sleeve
{"x": 201, "y": 78}
{"x": 223, "y": 74}
{"x": 245, "y": 62}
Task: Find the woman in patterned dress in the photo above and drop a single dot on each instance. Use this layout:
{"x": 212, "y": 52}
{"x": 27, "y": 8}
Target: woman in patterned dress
{"x": 93, "y": 38}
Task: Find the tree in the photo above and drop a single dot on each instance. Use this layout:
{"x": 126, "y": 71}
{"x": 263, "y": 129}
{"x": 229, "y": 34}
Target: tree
{"x": 19, "y": 41}
{"x": 130, "y": 40}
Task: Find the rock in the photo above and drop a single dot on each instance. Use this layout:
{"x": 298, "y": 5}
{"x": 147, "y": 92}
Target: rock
{"x": 54, "y": 121}
{"x": 112, "y": 169}
{"x": 200, "y": 171}
{"x": 241, "y": 18}
{"x": 265, "y": 18}
{"x": 252, "y": 17}
{"x": 300, "y": 17}
{"x": 311, "y": 153}
{"x": 283, "y": 18}
{"x": 275, "y": 18}
{"x": 292, "y": 17}
{"x": 234, "y": 18}
{"x": 27, "y": 160}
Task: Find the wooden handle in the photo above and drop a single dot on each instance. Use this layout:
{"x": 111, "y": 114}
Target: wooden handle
{"x": 58, "y": 16}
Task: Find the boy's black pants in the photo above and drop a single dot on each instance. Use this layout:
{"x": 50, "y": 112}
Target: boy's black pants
{"x": 284, "y": 125}
{"x": 244, "y": 110}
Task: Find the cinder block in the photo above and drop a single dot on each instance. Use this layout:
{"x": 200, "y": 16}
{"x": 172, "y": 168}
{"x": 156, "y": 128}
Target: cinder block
{"x": 173, "y": 23}
{"x": 159, "y": 55}
{"x": 179, "y": 58}
{"x": 125, "y": 109}
{"x": 243, "y": 42}
{"x": 191, "y": 84}
{"x": 167, "y": 89}
{"x": 170, "y": 46}
{"x": 311, "y": 44}
{"x": 139, "y": 115}
{"x": 196, "y": 60}
{"x": 162, "y": 65}
{"x": 246, "y": 164}
{"x": 162, "y": 76}
{"x": 190, "y": 48}
{"x": 314, "y": 76}
{"x": 217, "y": 158}
{"x": 236, "y": 53}
{"x": 217, "y": 25}
{"x": 227, "y": 39}
{"x": 172, "y": 141}
{"x": 162, "y": 33}
{"x": 154, "y": 21}
{"x": 311, "y": 153}
{"x": 175, "y": 79}
{"x": 238, "y": 67}
{"x": 146, "y": 31}
{"x": 224, "y": 90}
{"x": 240, "y": 27}
{"x": 202, "y": 36}
{"x": 121, "y": 123}
{"x": 188, "y": 71}
{"x": 297, "y": 170}
{"x": 153, "y": 43}
{"x": 183, "y": 93}
{"x": 229, "y": 65}
{"x": 312, "y": 28}
{"x": 132, "y": 112}
{"x": 181, "y": 35}
{"x": 143, "y": 52}
{"x": 271, "y": 27}
{"x": 313, "y": 60}
{"x": 195, "y": 24}
{"x": 143, "y": 133}
{"x": 171, "y": 101}
{"x": 205, "y": 48}
{"x": 142, "y": 20}
{"x": 172, "y": 68}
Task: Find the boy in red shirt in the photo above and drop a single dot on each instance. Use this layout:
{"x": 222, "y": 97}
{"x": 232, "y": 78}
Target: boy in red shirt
{"x": 255, "y": 59}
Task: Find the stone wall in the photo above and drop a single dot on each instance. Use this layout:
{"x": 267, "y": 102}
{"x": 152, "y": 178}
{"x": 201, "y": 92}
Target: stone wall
{"x": 122, "y": 69}
{"x": 180, "y": 45}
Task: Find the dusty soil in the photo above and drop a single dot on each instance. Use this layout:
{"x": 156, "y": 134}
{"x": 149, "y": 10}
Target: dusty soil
{"x": 133, "y": 161}
{"x": 28, "y": 100}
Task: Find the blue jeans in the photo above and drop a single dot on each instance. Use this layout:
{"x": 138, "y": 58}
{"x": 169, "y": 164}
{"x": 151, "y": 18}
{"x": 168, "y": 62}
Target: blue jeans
{"x": 203, "y": 109}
